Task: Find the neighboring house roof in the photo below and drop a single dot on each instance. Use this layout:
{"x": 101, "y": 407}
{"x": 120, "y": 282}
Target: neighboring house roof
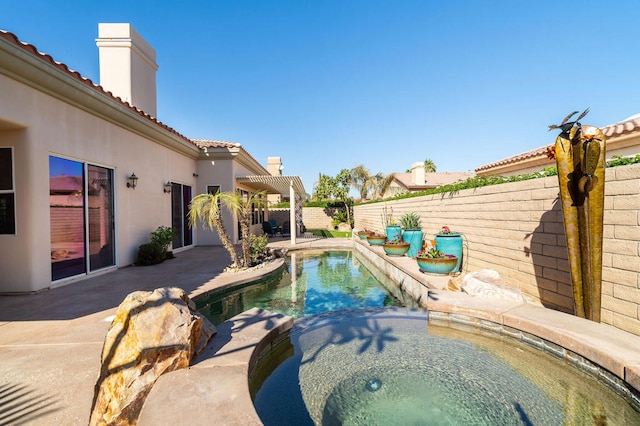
{"x": 625, "y": 127}
{"x": 431, "y": 179}
{"x": 48, "y": 59}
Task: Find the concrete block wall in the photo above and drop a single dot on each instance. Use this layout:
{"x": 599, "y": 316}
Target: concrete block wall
{"x": 312, "y": 217}
{"x": 517, "y": 230}
{"x": 318, "y": 217}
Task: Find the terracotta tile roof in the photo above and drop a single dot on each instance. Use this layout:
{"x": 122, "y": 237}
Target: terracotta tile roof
{"x": 630, "y": 125}
{"x": 625, "y": 127}
{"x": 75, "y": 74}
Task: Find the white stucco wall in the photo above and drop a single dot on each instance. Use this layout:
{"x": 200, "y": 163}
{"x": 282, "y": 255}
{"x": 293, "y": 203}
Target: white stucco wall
{"x": 54, "y": 127}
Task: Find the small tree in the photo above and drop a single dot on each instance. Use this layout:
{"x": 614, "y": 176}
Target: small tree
{"x": 341, "y": 191}
{"x": 324, "y": 188}
{"x": 206, "y": 208}
{"x": 243, "y": 207}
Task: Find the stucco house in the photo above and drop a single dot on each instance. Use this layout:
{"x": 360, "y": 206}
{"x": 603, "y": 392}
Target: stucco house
{"x": 87, "y": 171}
{"x": 623, "y": 140}
{"x": 419, "y": 180}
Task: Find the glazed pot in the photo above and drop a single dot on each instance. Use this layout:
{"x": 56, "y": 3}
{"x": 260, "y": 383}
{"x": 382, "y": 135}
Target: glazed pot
{"x": 395, "y": 249}
{"x": 437, "y": 265}
{"x": 414, "y": 238}
{"x": 376, "y": 240}
{"x": 364, "y": 234}
{"x": 393, "y": 232}
{"x": 450, "y": 243}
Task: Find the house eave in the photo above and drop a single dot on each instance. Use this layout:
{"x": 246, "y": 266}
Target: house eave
{"x": 57, "y": 81}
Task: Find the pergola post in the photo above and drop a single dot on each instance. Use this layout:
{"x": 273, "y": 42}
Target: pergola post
{"x": 293, "y": 206}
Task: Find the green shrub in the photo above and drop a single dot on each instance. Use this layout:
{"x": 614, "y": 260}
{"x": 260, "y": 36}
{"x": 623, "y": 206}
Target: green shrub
{"x": 258, "y": 249}
{"x": 617, "y": 160}
{"x": 339, "y": 217}
{"x": 163, "y": 236}
{"x": 150, "y": 254}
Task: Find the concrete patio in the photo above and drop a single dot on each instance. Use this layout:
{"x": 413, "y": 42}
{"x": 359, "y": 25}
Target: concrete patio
{"x": 50, "y": 343}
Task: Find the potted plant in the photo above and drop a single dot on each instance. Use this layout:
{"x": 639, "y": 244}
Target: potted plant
{"x": 392, "y": 229}
{"x": 436, "y": 262}
{"x": 450, "y": 242}
{"x": 376, "y": 239}
{"x": 395, "y": 247}
{"x": 412, "y": 232}
{"x": 364, "y": 234}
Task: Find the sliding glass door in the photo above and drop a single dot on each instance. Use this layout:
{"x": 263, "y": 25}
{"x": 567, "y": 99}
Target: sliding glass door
{"x": 100, "y": 217}
{"x": 82, "y": 217}
{"x": 180, "y": 199}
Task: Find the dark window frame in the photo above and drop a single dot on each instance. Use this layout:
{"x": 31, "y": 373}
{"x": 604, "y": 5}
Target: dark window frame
{"x": 7, "y": 192}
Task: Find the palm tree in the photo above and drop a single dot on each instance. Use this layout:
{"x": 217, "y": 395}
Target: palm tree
{"x": 243, "y": 207}
{"x": 206, "y": 208}
{"x": 362, "y": 180}
{"x": 382, "y": 185}
{"x": 429, "y": 166}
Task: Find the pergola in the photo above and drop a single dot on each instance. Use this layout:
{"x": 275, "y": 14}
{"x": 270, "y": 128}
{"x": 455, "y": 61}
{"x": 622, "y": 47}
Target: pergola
{"x": 290, "y": 186}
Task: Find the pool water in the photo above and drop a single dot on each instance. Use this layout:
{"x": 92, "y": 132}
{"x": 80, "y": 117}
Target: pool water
{"x": 388, "y": 366}
{"x": 313, "y": 282}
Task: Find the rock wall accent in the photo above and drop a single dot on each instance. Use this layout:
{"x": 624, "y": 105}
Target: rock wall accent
{"x": 153, "y": 333}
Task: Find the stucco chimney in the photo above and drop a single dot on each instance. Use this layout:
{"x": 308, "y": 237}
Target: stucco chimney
{"x": 127, "y": 66}
{"x": 417, "y": 173}
{"x": 274, "y": 166}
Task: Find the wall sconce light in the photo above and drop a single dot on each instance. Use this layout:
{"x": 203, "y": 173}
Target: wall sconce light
{"x": 167, "y": 187}
{"x": 132, "y": 181}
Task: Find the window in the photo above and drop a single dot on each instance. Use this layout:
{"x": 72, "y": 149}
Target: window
{"x": 7, "y": 193}
{"x": 213, "y": 189}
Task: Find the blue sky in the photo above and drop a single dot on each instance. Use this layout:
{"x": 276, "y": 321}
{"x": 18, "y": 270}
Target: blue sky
{"x": 331, "y": 84}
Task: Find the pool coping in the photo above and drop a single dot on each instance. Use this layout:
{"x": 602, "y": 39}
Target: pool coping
{"x": 231, "y": 355}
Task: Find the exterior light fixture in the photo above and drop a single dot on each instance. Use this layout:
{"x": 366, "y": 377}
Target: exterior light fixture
{"x": 132, "y": 181}
{"x": 167, "y": 187}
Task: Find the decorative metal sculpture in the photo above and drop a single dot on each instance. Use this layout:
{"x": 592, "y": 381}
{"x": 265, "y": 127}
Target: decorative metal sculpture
{"x": 580, "y": 157}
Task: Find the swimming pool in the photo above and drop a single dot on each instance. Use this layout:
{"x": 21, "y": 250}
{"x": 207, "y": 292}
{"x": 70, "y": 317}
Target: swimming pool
{"x": 381, "y": 366}
{"x": 311, "y": 283}
{"x": 369, "y": 369}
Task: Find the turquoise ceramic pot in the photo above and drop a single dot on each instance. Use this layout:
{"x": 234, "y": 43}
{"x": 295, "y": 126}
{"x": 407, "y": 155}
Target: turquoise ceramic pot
{"x": 450, "y": 244}
{"x": 395, "y": 249}
{"x": 414, "y": 238}
{"x": 375, "y": 240}
{"x": 393, "y": 231}
{"x": 440, "y": 265}
{"x": 364, "y": 235}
